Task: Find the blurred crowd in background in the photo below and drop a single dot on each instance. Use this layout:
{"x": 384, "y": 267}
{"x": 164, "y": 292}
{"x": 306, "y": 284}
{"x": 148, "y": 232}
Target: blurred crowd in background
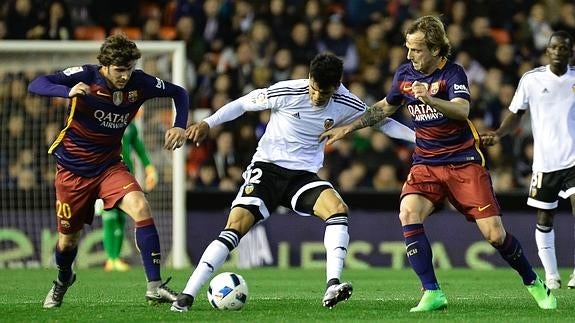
{"x": 234, "y": 46}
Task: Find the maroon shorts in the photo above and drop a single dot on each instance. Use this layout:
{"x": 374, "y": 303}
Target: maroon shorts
{"x": 467, "y": 186}
{"x": 76, "y": 195}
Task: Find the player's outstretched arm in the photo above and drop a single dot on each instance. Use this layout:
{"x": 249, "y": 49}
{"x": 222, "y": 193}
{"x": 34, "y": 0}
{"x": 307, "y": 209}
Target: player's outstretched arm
{"x": 376, "y": 113}
{"x": 334, "y": 134}
{"x": 508, "y": 124}
{"x": 395, "y": 129}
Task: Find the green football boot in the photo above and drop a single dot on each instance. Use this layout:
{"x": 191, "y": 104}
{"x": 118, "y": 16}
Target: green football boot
{"x": 431, "y": 300}
{"x": 542, "y": 294}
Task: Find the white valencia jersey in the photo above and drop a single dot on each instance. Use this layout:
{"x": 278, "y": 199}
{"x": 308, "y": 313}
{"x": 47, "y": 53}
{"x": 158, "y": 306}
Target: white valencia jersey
{"x": 550, "y": 100}
{"x": 291, "y": 139}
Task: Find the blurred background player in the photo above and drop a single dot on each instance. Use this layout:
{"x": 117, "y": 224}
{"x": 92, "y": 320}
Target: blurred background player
{"x": 447, "y": 161}
{"x": 283, "y": 170}
{"x": 104, "y": 99}
{"x": 548, "y": 93}
{"x": 114, "y": 220}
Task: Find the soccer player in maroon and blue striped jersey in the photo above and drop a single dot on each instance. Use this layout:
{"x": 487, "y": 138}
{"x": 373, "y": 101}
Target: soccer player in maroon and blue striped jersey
{"x": 447, "y": 162}
{"x": 104, "y": 99}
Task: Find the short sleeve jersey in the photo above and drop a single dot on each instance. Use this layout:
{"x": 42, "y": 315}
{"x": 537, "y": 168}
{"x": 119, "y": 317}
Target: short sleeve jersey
{"x": 291, "y": 138}
{"x": 439, "y": 140}
{"x": 550, "y": 100}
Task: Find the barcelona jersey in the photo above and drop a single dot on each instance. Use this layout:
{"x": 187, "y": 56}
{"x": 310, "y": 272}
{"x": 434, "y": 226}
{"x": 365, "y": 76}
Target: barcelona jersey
{"x": 91, "y": 140}
{"x": 439, "y": 140}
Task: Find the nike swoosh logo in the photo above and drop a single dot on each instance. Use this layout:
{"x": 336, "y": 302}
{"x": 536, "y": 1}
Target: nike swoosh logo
{"x": 102, "y": 93}
{"x": 411, "y": 244}
{"x": 481, "y": 208}
{"x": 154, "y": 254}
{"x": 127, "y": 185}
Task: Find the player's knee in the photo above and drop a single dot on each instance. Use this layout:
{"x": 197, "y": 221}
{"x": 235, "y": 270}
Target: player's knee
{"x": 325, "y": 210}
{"x": 68, "y": 242}
{"x": 240, "y": 220}
{"x": 408, "y": 216}
{"x": 496, "y": 237}
{"x": 140, "y": 210}
{"x": 340, "y": 208}
{"x": 544, "y": 218}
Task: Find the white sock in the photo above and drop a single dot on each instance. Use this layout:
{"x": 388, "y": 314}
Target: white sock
{"x": 212, "y": 259}
{"x": 335, "y": 240}
{"x": 546, "y": 250}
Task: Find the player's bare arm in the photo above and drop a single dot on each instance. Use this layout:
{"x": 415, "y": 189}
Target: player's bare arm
{"x": 198, "y": 132}
{"x": 175, "y": 138}
{"x": 510, "y": 123}
{"x": 376, "y": 113}
{"x": 79, "y": 89}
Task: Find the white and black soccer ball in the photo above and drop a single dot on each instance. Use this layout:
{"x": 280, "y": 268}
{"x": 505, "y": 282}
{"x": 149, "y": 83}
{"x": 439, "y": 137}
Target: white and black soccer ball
{"x": 228, "y": 291}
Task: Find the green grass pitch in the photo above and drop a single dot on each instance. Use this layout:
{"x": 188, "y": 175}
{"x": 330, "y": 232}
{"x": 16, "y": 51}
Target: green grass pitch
{"x": 280, "y": 295}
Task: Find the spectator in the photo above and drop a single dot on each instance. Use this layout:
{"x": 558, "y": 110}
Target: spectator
{"x": 57, "y": 22}
{"x": 566, "y": 19}
{"x": 281, "y": 66}
{"x": 262, "y": 42}
{"x": 362, "y": 13}
{"x": 3, "y": 29}
{"x": 314, "y": 17}
{"x": 112, "y": 13}
{"x": 371, "y": 47}
{"x": 279, "y": 17}
{"x": 301, "y": 44}
{"x": 480, "y": 45}
{"x": 21, "y": 21}
{"x": 337, "y": 41}
{"x": 540, "y": 27}
{"x": 196, "y": 45}
{"x": 386, "y": 178}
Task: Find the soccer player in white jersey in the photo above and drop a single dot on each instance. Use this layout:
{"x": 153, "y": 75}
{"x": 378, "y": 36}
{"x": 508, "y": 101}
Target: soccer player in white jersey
{"x": 548, "y": 92}
{"x": 283, "y": 170}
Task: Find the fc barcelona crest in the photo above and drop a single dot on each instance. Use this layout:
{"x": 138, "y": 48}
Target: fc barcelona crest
{"x": 118, "y": 97}
{"x": 434, "y": 88}
{"x": 328, "y": 124}
{"x": 132, "y": 96}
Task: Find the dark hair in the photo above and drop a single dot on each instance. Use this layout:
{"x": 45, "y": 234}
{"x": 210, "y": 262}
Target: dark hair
{"x": 118, "y": 50}
{"x": 326, "y": 70}
{"x": 434, "y": 34}
{"x": 563, "y": 34}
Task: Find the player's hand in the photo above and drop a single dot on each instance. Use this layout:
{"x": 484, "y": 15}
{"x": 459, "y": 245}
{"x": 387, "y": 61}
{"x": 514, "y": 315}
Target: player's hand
{"x": 79, "y": 89}
{"x": 334, "y": 134}
{"x": 151, "y": 178}
{"x": 198, "y": 132}
{"x": 420, "y": 92}
{"x": 489, "y": 139}
{"x": 175, "y": 138}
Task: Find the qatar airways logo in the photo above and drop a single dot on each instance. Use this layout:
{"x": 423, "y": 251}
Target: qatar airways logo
{"x": 423, "y": 112}
{"x": 112, "y": 120}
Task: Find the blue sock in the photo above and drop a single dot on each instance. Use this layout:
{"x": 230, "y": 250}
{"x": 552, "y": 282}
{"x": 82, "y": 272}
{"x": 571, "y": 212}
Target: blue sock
{"x": 512, "y": 252}
{"x": 419, "y": 255}
{"x": 64, "y": 260}
{"x": 148, "y": 243}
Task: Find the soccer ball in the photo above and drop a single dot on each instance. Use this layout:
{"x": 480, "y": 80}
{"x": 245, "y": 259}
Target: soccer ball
{"x": 228, "y": 291}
